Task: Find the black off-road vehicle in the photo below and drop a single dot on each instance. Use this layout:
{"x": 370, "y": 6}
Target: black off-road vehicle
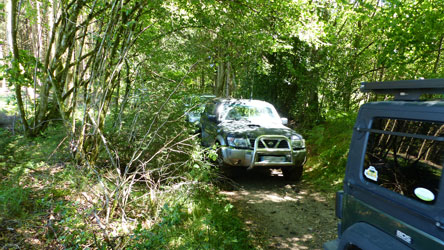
{"x": 251, "y": 134}
{"x": 195, "y": 105}
{"x": 393, "y": 194}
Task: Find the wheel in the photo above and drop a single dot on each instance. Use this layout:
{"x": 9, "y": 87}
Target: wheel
{"x": 353, "y": 247}
{"x": 292, "y": 173}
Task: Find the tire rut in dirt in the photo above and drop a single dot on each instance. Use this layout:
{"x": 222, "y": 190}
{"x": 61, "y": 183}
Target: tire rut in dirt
{"x": 290, "y": 215}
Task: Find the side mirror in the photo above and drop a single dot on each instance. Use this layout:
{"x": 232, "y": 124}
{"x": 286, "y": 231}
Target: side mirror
{"x": 284, "y": 120}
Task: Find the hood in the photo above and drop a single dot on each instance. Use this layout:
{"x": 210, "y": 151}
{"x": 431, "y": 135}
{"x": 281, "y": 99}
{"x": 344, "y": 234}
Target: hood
{"x": 249, "y": 129}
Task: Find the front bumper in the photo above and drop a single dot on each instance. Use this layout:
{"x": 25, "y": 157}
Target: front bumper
{"x": 264, "y": 157}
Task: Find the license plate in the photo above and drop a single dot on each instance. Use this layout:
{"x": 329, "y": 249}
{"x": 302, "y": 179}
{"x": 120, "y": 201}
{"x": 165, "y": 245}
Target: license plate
{"x": 273, "y": 159}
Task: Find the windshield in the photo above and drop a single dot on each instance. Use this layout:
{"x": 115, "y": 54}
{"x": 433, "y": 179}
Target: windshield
{"x": 251, "y": 113}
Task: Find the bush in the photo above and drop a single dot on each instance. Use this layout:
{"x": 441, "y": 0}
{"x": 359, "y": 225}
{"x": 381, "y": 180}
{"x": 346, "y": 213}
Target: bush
{"x": 328, "y": 146}
{"x": 151, "y": 187}
{"x": 196, "y": 218}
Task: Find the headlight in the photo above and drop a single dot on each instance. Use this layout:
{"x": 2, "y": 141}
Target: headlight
{"x": 297, "y": 142}
{"x": 237, "y": 142}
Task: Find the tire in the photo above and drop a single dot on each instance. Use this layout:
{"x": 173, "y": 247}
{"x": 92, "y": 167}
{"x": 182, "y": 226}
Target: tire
{"x": 293, "y": 173}
{"x": 353, "y": 247}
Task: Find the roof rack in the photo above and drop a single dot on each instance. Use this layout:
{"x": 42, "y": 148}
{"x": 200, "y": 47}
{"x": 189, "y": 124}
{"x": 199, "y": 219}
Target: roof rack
{"x": 408, "y": 90}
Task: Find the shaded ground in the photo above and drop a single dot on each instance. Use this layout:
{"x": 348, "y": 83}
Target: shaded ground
{"x": 286, "y": 215}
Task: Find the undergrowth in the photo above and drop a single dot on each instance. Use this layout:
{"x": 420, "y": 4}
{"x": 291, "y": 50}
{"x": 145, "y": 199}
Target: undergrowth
{"x": 328, "y": 146}
{"x": 197, "y": 219}
{"x": 48, "y": 202}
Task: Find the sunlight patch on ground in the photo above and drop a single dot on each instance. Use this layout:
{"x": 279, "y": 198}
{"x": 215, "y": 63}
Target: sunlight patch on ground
{"x": 318, "y": 197}
{"x": 226, "y": 193}
{"x": 338, "y": 181}
{"x": 260, "y": 197}
{"x": 274, "y": 198}
{"x": 294, "y": 216}
{"x": 276, "y": 172}
{"x": 309, "y": 168}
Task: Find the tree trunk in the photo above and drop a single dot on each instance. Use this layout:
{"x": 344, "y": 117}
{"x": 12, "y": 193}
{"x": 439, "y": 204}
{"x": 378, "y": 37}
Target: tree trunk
{"x": 42, "y": 109}
{"x": 11, "y": 8}
{"x": 219, "y": 85}
{"x": 224, "y": 83}
{"x": 2, "y": 82}
{"x": 202, "y": 79}
{"x": 227, "y": 80}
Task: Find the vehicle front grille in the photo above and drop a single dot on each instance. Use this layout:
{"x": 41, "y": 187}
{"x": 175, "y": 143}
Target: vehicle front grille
{"x": 271, "y": 143}
{"x": 260, "y": 145}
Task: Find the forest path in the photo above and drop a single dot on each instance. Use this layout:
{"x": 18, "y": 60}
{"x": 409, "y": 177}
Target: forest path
{"x": 285, "y": 215}
{"x": 7, "y": 121}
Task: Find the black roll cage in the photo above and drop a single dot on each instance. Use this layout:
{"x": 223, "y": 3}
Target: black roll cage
{"x": 407, "y": 90}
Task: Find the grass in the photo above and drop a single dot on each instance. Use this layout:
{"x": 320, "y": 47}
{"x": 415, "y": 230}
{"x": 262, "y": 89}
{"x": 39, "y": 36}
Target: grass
{"x": 6, "y": 101}
{"x": 200, "y": 219}
{"x": 31, "y": 185}
{"x": 328, "y": 147}
{"x": 47, "y": 202}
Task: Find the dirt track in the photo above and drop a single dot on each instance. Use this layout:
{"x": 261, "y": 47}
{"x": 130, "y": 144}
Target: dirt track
{"x": 286, "y": 215}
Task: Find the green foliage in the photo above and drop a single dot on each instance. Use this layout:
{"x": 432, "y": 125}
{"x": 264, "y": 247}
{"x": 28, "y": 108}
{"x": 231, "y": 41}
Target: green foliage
{"x": 8, "y": 104}
{"x": 196, "y": 219}
{"x": 187, "y": 213}
{"x": 71, "y": 230}
{"x": 34, "y": 185}
{"x": 291, "y": 71}
{"x": 15, "y": 200}
{"x": 20, "y": 72}
{"x": 306, "y": 57}
{"x": 358, "y": 41}
{"x": 328, "y": 145}
{"x": 34, "y": 151}
{"x": 163, "y": 138}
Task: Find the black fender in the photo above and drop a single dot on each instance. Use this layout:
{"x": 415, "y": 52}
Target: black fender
{"x": 366, "y": 236}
